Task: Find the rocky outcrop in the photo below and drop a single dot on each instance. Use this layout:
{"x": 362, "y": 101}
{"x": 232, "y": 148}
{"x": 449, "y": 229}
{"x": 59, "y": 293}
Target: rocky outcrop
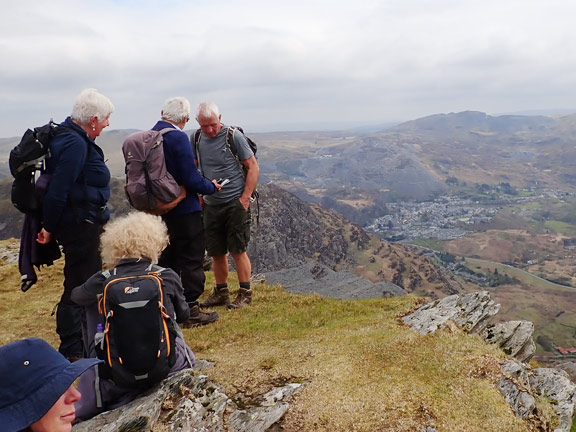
{"x": 188, "y": 402}
{"x": 288, "y": 232}
{"x": 271, "y": 407}
{"x": 514, "y": 337}
{"x": 569, "y": 367}
{"x": 520, "y": 384}
{"x": 404, "y": 266}
{"x": 471, "y": 312}
{"x": 317, "y": 278}
{"x": 515, "y": 385}
{"x": 557, "y": 387}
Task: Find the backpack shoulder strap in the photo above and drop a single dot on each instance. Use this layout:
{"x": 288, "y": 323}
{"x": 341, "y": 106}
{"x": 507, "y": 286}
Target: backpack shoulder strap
{"x": 166, "y": 130}
{"x": 231, "y": 143}
{"x": 109, "y": 273}
{"x": 195, "y": 141}
{"x": 155, "y": 268}
{"x": 230, "y": 139}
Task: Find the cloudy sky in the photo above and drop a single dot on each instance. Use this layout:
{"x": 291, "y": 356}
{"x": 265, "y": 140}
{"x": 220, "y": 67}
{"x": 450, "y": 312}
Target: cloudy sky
{"x": 284, "y": 65}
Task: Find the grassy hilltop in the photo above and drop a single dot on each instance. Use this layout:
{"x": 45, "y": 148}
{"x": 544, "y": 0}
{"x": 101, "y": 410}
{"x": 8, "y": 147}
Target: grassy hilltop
{"x": 365, "y": 370}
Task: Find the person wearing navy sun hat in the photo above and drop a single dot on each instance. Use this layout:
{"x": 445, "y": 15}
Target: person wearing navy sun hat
{"x": 36, "y": 387}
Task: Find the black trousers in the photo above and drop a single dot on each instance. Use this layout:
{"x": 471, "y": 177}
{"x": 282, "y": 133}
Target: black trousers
{"x": 80, "y": 243}
{"x": 185, "y": 253}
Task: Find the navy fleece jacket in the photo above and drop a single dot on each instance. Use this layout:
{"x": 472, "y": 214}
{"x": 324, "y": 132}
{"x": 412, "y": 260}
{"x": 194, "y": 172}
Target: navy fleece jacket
{"x": 180, "y": 163}
{"x": 79, "y": 180}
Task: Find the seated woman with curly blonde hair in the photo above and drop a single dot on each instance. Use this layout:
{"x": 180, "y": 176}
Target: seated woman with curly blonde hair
{"x": 130, "y": 246}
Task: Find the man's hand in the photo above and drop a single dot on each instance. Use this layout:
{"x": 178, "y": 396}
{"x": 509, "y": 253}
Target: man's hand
{"x": 251, "y": 180}
{"x": 218, "y": 187}
{"x": 44, "y": 237}
{"x": 245, "y": 201}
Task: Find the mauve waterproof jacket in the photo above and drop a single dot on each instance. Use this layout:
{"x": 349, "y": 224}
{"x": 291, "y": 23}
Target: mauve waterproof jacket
{"x": 180, "y": 163}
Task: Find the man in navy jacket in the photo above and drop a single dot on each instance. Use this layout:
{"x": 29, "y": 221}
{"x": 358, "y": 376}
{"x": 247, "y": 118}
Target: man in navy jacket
{"x": 185, "y": 253}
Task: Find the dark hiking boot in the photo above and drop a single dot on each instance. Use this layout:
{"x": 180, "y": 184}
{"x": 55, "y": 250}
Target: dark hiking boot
{"x": 198, "y": 318}
{"x": 244, "y": 298}
{"x": 220, "y": 297}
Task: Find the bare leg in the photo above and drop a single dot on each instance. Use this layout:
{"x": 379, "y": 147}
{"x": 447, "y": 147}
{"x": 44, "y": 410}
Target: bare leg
{"x": 243, "y": 266}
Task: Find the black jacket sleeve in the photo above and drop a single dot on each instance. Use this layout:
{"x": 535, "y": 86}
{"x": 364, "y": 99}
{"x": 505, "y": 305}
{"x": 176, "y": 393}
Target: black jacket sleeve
{"x": 88, "y": 293}
{"x": 175, "y": 293}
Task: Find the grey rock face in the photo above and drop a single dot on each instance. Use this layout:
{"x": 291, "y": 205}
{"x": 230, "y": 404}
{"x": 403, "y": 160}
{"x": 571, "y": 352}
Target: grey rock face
{"x": 471, "y": 312}
{"x": 203, "y": 405}
{"x": 188, "y": 402}
{"x": 568, "y": 367}
{"x": 270, "y": 410}
{"x": 557, "y": 387}
{"x": 515, "y": 387}
{"x": 514, "y": 337}
{"x": 519, "y": 383}
{"x": 289, "y": 233}
{"x": 317, "y": 278}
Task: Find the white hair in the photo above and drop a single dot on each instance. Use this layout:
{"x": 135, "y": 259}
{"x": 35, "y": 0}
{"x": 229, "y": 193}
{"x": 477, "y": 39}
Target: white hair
{"x": 176, "y": 109}
{"x": 90, "y": 103}
{"x": 135, "y": 235}
{"x": 207, "y": 110}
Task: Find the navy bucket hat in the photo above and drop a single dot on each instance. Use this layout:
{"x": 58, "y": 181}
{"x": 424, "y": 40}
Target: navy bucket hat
{"x": 33, "y": 376}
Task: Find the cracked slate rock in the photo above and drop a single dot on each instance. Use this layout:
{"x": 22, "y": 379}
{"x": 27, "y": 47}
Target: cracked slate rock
{"x": 189, "y": 402}
{"x": 471, "y": 312}
{"x": 144, "y": 413}
{"x": 556, "y": 386}
{"x": 515, "y": 387}
{"x": 270, "y": 409}
{"x": 514, "y": 337}
{"x": 317, "y": 278}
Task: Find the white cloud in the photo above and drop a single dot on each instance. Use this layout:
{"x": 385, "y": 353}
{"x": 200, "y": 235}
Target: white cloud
{"x": 286, "y": 61}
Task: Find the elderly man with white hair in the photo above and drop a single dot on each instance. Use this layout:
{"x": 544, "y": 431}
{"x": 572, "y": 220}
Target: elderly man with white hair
{"x": 223, "y": 152}
{"x": 185, "y": 253}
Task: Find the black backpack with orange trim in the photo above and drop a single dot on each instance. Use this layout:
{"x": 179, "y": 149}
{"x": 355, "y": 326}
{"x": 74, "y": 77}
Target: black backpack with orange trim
{"x": 137, "y": 342}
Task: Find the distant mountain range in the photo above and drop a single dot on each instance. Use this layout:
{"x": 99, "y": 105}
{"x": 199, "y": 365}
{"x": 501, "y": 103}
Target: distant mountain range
{"x": 472, "y": 146}
{"x": 356, "y": 172}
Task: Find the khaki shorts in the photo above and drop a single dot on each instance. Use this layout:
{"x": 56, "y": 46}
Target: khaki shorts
{"x": 227, "y": 228}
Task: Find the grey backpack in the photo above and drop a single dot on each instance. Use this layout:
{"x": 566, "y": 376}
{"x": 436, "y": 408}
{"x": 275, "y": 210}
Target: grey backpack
{"x": 149, "y": 185}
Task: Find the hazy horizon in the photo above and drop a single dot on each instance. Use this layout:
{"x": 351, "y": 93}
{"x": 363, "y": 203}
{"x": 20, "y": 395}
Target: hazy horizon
{"x": 357, "y": 127}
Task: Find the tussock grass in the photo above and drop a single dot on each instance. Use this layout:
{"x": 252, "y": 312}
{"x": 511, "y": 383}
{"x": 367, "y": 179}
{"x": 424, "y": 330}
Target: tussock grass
{"x": 363, "y": 369}
{"x": 29, "y": 314}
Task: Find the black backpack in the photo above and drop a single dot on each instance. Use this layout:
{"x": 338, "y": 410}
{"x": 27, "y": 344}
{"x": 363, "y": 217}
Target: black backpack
{"x": 139, "y": 336}
{"x": 232, "y": 146}
{"x": 26, "y": 160}
{"x": 230, "y": 143}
